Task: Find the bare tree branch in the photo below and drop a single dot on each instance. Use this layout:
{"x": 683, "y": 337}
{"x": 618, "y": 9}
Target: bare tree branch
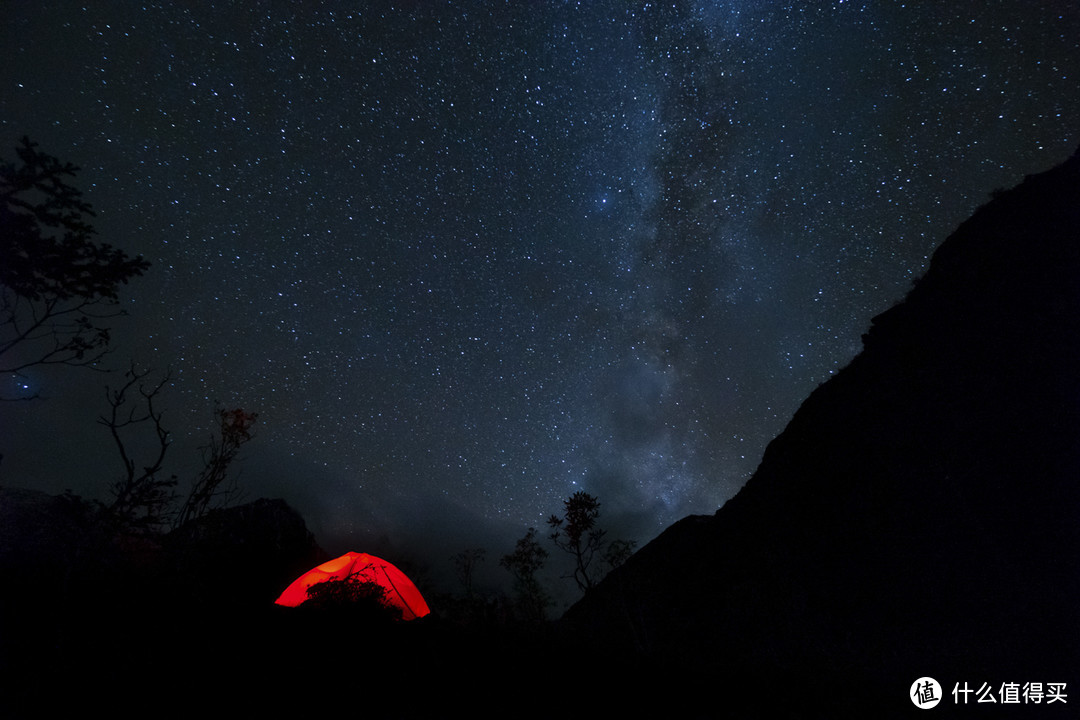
{"x": 141, "y": 498}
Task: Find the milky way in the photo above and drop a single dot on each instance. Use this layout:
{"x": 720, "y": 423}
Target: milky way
{"x": 467, "y": 258}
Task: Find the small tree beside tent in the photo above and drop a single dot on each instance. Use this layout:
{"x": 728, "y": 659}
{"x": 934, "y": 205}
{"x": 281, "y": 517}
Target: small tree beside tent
{"x": 578, "y": 535}
{"x": 357, "y": 573}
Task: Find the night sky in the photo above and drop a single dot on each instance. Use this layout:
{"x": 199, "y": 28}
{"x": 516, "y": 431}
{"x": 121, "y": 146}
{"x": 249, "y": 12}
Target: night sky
{"x": 467, "y": 258}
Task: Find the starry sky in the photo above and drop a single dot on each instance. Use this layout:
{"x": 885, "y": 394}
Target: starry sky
{"x": 467, "y": 258}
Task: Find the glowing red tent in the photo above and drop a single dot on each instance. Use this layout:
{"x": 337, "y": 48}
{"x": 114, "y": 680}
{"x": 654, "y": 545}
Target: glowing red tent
{"x": 400, "y": 590}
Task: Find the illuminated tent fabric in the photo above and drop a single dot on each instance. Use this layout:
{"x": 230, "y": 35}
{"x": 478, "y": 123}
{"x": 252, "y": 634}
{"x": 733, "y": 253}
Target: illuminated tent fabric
{"x": 400, "y": 590}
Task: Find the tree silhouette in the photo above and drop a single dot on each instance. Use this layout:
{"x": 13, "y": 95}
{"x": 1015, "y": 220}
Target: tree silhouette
{"x": 527, "y": 560}
{"x": 465, "y": 563}
{"x": 211, "y": 487}
{"x": 617, "y": 552}
{"x": 142, "y": 497}
{"x": 578, "y": 535}
{"x": 57, "y": 286}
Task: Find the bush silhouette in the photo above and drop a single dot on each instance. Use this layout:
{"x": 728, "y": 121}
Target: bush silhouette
{"x": 354, "y": 594}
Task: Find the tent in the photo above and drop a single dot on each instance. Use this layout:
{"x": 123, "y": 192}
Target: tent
{"x": 400, "y": 590}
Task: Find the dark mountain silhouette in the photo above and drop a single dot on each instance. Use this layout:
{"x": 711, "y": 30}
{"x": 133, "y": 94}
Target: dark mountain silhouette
{"x": 920, "y": 515}
{"x": 241, "y": 556}
{"x": 116, "y": 615}
{"x": 238, "y": 556}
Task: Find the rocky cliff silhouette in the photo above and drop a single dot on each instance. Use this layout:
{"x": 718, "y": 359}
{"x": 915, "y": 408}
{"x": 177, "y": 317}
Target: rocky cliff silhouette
{"x": 920, "y": 514}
